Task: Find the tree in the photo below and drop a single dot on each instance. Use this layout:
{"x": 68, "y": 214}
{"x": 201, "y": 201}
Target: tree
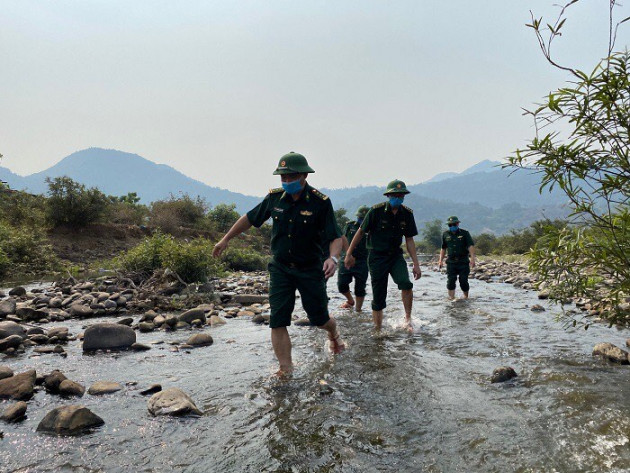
{"x": 70, "y": 203}
{"x": 432, "y": 234}
{"x": 224, "y": 216}
{"x": 341, "y": 217}
{"x": 590, "y": 164}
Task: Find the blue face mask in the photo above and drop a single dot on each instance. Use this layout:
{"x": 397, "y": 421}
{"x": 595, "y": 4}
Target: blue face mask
{"x": 292, "y": 187}
{"x": 359, "y": 221}
{"x": 453, "y": 228}
{"x": 396, "y": 201}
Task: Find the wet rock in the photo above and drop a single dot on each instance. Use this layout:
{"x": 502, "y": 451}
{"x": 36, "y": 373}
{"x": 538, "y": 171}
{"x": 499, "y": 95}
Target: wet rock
{"x": 25, "y": 313}
{"x": 140, "y": 347}
{"x": 193, "y": 314}
{"x": 247, "y": 299}
{"x": 108, "y": 336}
{"x": 5, "y": 372}
{"x": 17, "y": 291}
{"x": 154, "y": 388}
{"x": 71, "y": 388}
{"x": 259, "y": 319}
{"x": 8, "y": 328}
{"x": 81, "y": 311}
{"x": 171, "y": 320}
{"x": 35, "y": 331}
{"x": 302, "y": 322}
{"x": 200, "y": 340}
{"x": 53, "y": 381}
{"x": 44, "y": 350}
{"x": 146, "y": 327}
{"x": 59, "y": 350}
{"x": 503, "y": 373}
{"x": 55, "y": 303}
{"x": 69, "y": 420}
{"x": 126, "y": 321}
{"x": 18, "y": 387}
{"x": 12, "y": 341}
{"x": 537, "y": 308}
{"x": 104, "y": 387}
{"x": 7, "y": 307}
{"x": 14, "y": 412}
{"x": 39, "y": 338}
{"x": 216, "y": 320}
{"x": 611, "y": 353}
{"x": 173, "y": 402}
{"x": 60, "y": 332}
{"x": 159, "y": 320}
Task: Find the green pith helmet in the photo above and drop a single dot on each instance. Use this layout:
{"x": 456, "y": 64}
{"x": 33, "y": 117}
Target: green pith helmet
{"x": 452, "y": 220}
{"x": 362, "y": 211}
{"x": 293, "y": 163}
{"x": 396, "y": 187}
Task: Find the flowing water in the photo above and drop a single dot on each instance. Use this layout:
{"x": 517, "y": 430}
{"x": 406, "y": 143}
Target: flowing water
{"x": 393, "y": 401}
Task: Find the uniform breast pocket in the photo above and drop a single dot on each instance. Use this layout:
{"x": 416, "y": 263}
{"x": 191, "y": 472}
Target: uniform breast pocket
{"x": 305, "y": 224}
{"x": 279, "y": 219}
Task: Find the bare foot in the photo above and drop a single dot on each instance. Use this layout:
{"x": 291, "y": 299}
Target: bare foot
{"x": 408, "y": 326}
{"x": 284, "y": 372}
{"x": 347, "y": 305}
{"x": 336, "y": 344}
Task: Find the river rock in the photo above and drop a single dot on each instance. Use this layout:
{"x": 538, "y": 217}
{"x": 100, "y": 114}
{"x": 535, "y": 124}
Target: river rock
{"x": 71, "y": 388}
{"x": 60, "y": 332}
{"x": 5, "y": 372}
{"x": 18, "y": 291}
{"x": 216, "y": 320}
{"x": 104, "y": 387}
{"x": 39, "y": 338}
{"x": 159, "y": 320}
{"x": 140, "y": 347}
{"x": 53, "y": 381}
{"x": 8, "y": 328}
{"x": 12, "y": 341}
{"x": 146, "y": 327}
{"x": 200, "y": 340}
{"x": 108, "y": 336}
{"x": 19, "y": 387}
{"x": 69, "y": 420}
{"x": 305, "y": 322}
{"x": 171, "y": 320}
{"x": 7, "y": 307}
{"x": 537, "y": 308}
{"x": 35, "y": 331}
{"x": 503, "y": 373}
{"x": 192, "y": 314}
{"x": 173, "y": 402}
{"x": 247, "y": 299}
{"x": 14, "y": 412}
{"x": 125, "y": 321}
{"x": 154, "y": 388}
{"x": 611, "y": 352}
{"x": 81, "y": 311}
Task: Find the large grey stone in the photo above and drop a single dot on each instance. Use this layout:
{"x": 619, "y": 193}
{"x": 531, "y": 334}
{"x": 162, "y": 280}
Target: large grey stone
{"x": 7, "y": 307}
{"x": 247, "y": 299}
{"x": 8, "y": 328}
{"x": 104, "y": 387}
{"x": 108, "y": 336}
{"x": 192, "y": 314}
{"x": 18, "y": 291}
{"x": 200, "y": 340}
{"x": 71, "y": 388}
{"x": 69, "y": 420}
{"x": 53, "y": 381}
{"x": 173, "y": 402}
{"x": 19, "y": 387}
{"x": 14, "y": 412}
{"x": 80, "y": 310}
{"x": 12, "y": 341}
{"x": 611, "y": 353}
{"x": 5, "y": 372}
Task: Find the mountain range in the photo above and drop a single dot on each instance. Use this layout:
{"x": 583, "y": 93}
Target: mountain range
{"x": 484, "y": 196}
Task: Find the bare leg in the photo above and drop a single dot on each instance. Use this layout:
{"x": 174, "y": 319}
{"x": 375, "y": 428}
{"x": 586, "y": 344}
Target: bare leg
{"x": 451, "y": 294}
{"x": 349, "y": 301}
{"x": 360, "y": 303}
{"x": 377, "y": 316}
{"x": 407, "y": 298}
{"x": 336, "y": 343}
{"x": 466, "y": 295}
{"x": 282, "y": 348}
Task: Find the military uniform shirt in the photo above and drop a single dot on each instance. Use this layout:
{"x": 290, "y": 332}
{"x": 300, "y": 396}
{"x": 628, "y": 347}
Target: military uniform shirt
{"x": 351, "y": 228}
{"x": 457, "y": 244}
{"x": 385, "y": 230}
{"x": 300, "y": 228}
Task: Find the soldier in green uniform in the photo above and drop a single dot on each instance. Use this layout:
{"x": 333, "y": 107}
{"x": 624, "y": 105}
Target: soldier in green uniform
{"x": 386, "y": 224}
{"x": 303, "y": 220}
{"x": 459, "y": 245}
{"x": 360, "y": 270}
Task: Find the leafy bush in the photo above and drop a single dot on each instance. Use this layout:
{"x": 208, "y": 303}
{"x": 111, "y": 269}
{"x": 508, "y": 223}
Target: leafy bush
{"x": 191, "y": 261}
{"x": 24, "y": 250}
{"x": 4, "y": 263}
{"x": 485, "y": 243}
{"x": 70, "y": 203}
{"x": 20, "y": 208}
{"x": 239, "y": 259}
{"x": 174, "y": 212}
{"x": 223, "y": 216}
{"x": 126, "y": 213}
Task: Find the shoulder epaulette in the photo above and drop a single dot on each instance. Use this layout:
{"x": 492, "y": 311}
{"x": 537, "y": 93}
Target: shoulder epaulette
{"x": 381, "y": 204}
{"x": 408, "y": 208}
{"x": 319, "y": 194}
{"x": 276, "y": 190}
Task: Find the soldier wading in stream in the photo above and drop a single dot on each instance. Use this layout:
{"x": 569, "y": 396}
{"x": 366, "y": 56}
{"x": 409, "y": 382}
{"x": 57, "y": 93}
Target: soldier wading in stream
{"x": 386, "y": 224}
{"x": 303, "y": 221}
{"x": 461, "y": 257}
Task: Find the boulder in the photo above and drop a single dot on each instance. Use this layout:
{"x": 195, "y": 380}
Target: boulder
{"x": 611, "y": 353}
{"x": 100, "y": 388}
{"x": 200, "y": 340}
{"x": 503, "y": 373}
{"x": 7, "y": 307}
{"x": 69, "y": 420}
{"x": 216, "y": 320}
{"x": 108, "y": 336}
{"x": 192, "y": 314}
{"x": 17, "y": 291}
{"x": 173, "y": 402}
{"x": 146, "y": 327}
{"x": 8, "y": 328}
{"x": 125, "y": 321}
{"x": 80, "y": 310}
{"x": 12, "y": 341}
{"x": 247, "y": 299}
{"x": 60, "y": 332}
{"x": 19, "y": 387}
{"x": 53, "y": 381}
{"x": 5, "y": 372}
{"x": 14, "y": 412}
{"x": 71, "y": 388}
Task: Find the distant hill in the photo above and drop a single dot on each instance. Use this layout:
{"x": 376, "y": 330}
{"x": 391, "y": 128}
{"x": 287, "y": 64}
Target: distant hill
{"x": 117, "y": 173}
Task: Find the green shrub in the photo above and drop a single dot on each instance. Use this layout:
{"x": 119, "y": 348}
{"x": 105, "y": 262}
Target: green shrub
{"x": 126, "y": 213}
{"x": 174, "y": 212}
{"x": 485, "y": 243}
{"x": 223, "y": 216}
{"x": 20, "y": 208}
{"x": 24, "y": 250}
{"x": 4, "y": 263}
{"x": 70, "y": 203}
{"x": 239, "y": 259}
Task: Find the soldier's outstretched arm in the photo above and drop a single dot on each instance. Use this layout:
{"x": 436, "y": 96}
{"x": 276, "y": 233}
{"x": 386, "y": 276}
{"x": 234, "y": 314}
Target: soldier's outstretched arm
{"x": 242, "y": 224}
{"x": 349, "y": 261}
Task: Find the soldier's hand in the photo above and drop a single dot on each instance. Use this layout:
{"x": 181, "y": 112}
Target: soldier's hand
{"x": 417, "y": 273}
{"x": 349, "y": 261}
{"x": 472, "y": 263}
{"x": 219, "y": 248}
{"x": 329, "y": 268}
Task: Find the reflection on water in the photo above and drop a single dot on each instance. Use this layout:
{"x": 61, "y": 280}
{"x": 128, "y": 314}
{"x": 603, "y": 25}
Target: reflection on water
{"x": 392, "y": 402}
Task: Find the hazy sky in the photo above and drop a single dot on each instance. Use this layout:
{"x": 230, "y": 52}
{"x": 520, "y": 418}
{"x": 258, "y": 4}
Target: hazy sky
{"x": 368, "y": 90}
